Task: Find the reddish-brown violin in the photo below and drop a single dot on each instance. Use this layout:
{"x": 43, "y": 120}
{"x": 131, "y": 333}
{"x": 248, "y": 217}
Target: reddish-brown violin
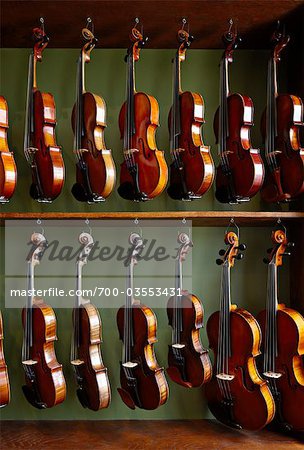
{"x": 280, "y": 127}
{"x": 8, "y": 170}
{"x": 40, "y": 147}
{"x": 91, "y": 375}
{"x": 95, "y": 169}
{"x": 143, "y": 382}
{"x": 144, "y": 172}
{"x": 45, "y": 384}
{"x": 283, "y": 344}
{"x": 4, "y": 380}
{"x": 240, "y": 173}
{"x": 188, "y": 361}
{"x": 192, "y": 169}
{"x": 236, "y": 395}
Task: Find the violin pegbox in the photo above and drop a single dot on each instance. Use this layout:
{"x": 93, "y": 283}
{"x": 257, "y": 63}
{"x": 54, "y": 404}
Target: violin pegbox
{"x": 233, "y": 250}
{"x": 37, "y": 251}
{"x": 137, "y": 246}
{"x": 184, "y": 39}
{"x": 279, "y": 40}
{"x": 280, "y": 245}
{"x": 185, "y": 246}
{"x": 41, "y": 40}
{"x": 231, "y": 40}
{"x": 90, "y": 43}
{"x": 85, "y": 239}
{"x": 138, "y": 39}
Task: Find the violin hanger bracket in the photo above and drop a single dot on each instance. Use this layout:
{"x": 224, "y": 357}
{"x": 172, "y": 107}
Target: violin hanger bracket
{"x": 87, "y": 222}
{"x": 39, "y": 223}
{"x": 232, "y": 224}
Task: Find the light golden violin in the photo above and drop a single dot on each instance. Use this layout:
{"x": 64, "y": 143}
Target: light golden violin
{"x": 4, "y": 380}
{"x": 8, "y": 170}
{"x": 91, "y": 375}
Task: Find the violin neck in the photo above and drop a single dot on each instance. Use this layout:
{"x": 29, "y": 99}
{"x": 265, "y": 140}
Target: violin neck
{"x": 79, "y": 128}
{"x": 177, "y": 327}
{"x": 128, "y": 316}
{"x": 223, "y": 109}
{"x": 271, "y": 114}
{"x": 29, "y": 114}
{"x": 130, "y": 119}
{"x": 224, "y": 343}
{"x": 175, "y": 114}
{"x": 271, "y": 350}
{"x": 76, "y": 313}
{"x": 28, "y": 325}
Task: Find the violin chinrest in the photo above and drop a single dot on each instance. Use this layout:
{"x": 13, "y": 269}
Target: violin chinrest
{"x": 126, "y": 190}
{"x": 31, "y": 398}
{"x": 175, "y": 376}
{"x": 126, "y": 398}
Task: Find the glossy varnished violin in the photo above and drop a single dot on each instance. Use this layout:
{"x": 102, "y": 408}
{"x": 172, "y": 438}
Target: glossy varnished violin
{"x": 240, "y": 173}
{"x": 280, "y": 127}
{"x": 45, "y": 384}
{"x": 236, "y": 395}
{"x": 144, "y": 172}
{"x": 283, "y": 344}
{"x": 4, "y": 380}
{"x": 188, "y": 361}
{"x": 95, "y": 169}
{"x": 40, "y": 147}
{"x": 91, "y": 374}
{"x": 192, "y": 169}
{"x": 143, "y": 382}
{"x": 8, "y": 170}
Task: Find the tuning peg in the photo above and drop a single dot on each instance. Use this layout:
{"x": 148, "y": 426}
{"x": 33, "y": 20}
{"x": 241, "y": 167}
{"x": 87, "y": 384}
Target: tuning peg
{"x": 242, "y": 247}
{"x": 239, "y": 256}
{"x": 265, "y": 260}
{"x": 222, "y": 252}
{"x": 219, "y": 262}
{"x": 291, "y": 244}
{"x": 285, "y": 254}
{"x": 269, "y": 250}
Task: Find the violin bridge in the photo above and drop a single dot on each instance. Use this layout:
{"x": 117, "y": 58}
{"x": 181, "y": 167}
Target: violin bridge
{"x": 270, "y": 374}
{"x": 178, "y": 345}
{"x": 225, "y": 376}
{"x": 130, "y": 151}
{"x": 77, "y": 362}
{"x": 29, "y": 362}
{"x": 130, "y": 365}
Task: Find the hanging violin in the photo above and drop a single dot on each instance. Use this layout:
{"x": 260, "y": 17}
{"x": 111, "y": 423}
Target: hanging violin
{"x": 188, "y": 361}
{"x": 95, "y": 168}
{"x": 8, "y": 170}
{"x": 240, "y": 173}
{"x": 144, "y": 172}
{"x": 283, "y": 343}
{"x": 45, "y": 384}
{"x": 192, "y": 169}
{"x": 280, "y": 128}
{"x": 40, "y": 148}
{"x": 143, "y": 382}
{"x": 4, "y": 380}
{"x": 91, "y": 374}
{"x": 236, "y": 395}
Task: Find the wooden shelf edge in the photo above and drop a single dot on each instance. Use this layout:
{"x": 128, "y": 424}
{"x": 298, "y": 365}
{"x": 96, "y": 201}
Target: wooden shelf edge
{"x": 199, "y": 218}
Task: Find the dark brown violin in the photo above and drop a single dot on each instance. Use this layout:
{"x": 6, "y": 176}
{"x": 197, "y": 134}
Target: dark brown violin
{"x": 95, "y": 169}
{"x": 143, "y": 382}
{"x": 240, "y": 173}
{"x": 144, "y": 172}
{"x": 283, "y": 344}
{"x": 8, "y": 170}
{"x": 192, "y": 169}
{"x": 236, "y": 395}
{"x": 188, "y": 361}
{"x": 45, "y": 384}
{"x": 4, "y": 380}
{"x": 280, "y": 128}
{"x": 40, "y": 147}
{"x": 91, "y": 375}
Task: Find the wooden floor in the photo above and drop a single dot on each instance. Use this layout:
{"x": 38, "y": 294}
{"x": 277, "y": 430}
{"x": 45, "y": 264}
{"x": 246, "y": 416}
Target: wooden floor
{"x": 138, "y": 435}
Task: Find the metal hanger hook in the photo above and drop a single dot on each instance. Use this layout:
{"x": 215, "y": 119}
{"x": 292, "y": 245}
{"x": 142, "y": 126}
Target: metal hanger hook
{"x": 136, "y": 223}
{"x": 90, "y": 24}
{"x": 281, "y": 226}
{"x": 87, "y": 222}
{"x": 232, "y": 224}
{"x": 39, "y": 222}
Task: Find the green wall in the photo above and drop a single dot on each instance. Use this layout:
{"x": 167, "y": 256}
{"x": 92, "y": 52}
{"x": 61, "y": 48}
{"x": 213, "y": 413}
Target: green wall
{"x": 106, "y": 76}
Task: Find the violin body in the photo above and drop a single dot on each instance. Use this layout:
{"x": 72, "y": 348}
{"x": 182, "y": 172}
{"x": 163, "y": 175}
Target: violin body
{"x": 198, "y": 167}
{"x": 94, "y": 388}
{"x": 250, "y": 404}
{"x": 151, "y": 164}
{"x": 246, "y": 166}
{"x": 189, "y": 366}
{"x": 8, "y": 170}
{"x": 145, "y": 385}
{"x": 101, "y": 173}
{"x": 290, "y": 364}
{"x": 48, "y": 167}
{"x": 46, "y": 387}
{"x": 4, "y": 380}
{"x": 287, "y": 180}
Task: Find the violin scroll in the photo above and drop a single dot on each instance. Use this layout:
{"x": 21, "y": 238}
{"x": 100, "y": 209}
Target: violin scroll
{"x": 185, "y": 39}
{"x": 90, "y": 42}
{"x": 233, "y": 251}
{"x": 280, "y": 245}
{"x": 279, "y": 40}
{"x": 231, "y": 40}
{"x": 87, "y": 241}
{"x": 41, "y": 40}
{"x": 186, "y": 244}
{"x": 39, "y": 246}
{"x": 138, "y": 39}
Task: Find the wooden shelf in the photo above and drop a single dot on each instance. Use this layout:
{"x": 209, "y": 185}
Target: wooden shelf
{"x": 113, "y": 19}
{"x": 138, "y": 434}
{"x": 198, "y": 218}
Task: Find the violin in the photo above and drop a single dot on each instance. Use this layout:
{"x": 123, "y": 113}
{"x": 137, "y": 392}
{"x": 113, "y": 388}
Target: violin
{"x": 40, "y": 148}
{"x": 143, "y": 382}
{"x": 237, "y": 396}
{"x": 91, "y": 375}
{"x": 4, "y": 380}
{"x": 240, "y": 174}
{"x": 283, "y": 343}
{"x": 144, "y": 171}
{"x": 45, "y": 384}
{"x": 280, "y": 127}
{"x": 192, "y": 169}
{"x": 8, "y": 170}
{"x": 188, "y": 361}
{"x": 95, "y": 168}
